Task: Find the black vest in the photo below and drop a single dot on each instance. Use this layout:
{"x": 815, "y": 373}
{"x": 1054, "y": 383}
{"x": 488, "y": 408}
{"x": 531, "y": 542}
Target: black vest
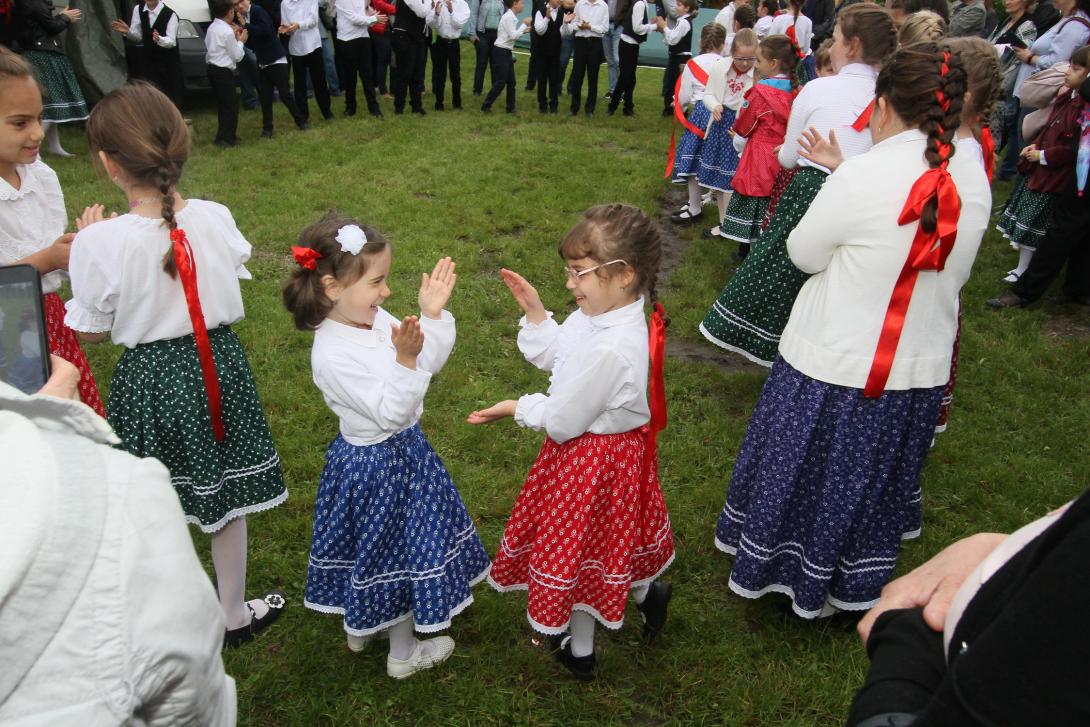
{"x": 684, "y": 47}
{"x": 626, "y": 26}
{"x": 409, "y": 21}
{"x": 549, "y": 42}
{"x": 149, "y": 49}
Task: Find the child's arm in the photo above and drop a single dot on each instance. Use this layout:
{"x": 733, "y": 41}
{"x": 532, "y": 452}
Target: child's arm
{"x": 538, "y": 332}
{"x": 53, "y": 257}
{"x": 437, "y": 323}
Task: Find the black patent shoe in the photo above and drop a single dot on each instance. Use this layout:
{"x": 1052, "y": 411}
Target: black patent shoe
{"x": 654, "y": 607}
{"x": 580, "y": 667}
{"x": 234, "y": 638}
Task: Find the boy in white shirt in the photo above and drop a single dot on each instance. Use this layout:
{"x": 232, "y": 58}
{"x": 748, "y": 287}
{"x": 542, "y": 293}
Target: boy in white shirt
{"x": 223, "y": 42}
{"x": 299, "y": 21}
{"x": 503, "y": 61}
{"x": 588, "y": 23}
{"x": 447, "y": 17}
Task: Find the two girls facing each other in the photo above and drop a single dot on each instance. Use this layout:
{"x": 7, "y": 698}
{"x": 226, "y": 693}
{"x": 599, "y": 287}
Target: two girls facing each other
{"x": 394, "y": 548}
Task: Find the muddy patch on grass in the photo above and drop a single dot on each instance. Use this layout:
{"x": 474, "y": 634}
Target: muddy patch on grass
{"x": 1076, "y": 327}
{"x": 707, "y": 353}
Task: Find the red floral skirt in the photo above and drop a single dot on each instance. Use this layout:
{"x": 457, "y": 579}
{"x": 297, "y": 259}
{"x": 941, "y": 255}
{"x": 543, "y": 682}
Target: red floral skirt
{"x": 589, "y": 524}
{"x": 63, "y": 343}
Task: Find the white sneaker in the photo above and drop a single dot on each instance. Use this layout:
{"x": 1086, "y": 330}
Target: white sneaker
{"x": 359, "y": 643}
{"x": 427, "y": 654}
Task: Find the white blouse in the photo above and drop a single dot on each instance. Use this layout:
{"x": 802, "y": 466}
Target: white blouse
{"x": 856, "y": 253}
{"x": 725, "y": 87}
{"x": 32, "y": 217}
{"x": 832, "y": 102}
{"x": 119, "y": 285}
{"x": 692, "y": 90}
{"x": 599, "y": 373}
{"x": 804, "y": 29}
{"x": 356, "y": 370}
{"x": 306, "y": 39}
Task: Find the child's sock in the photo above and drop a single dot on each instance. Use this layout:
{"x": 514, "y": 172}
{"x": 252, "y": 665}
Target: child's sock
{"x": 229, "y": 560}
{"x": 53, "y": 140}
{"x": 582, "y": 634}
{"x": 402, "y": 639}
{"x": 1024, "y": 257}
{"x": 694, "y": 196}
{"x": 639, "y": 593}
{"x": 723, "y": 199}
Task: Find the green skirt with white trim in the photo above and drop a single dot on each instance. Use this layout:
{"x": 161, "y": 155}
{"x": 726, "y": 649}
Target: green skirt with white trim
{"x": 159, "y": 408}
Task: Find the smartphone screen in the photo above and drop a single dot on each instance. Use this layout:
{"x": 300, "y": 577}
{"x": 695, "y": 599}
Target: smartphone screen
{"x": 24, "y": 348}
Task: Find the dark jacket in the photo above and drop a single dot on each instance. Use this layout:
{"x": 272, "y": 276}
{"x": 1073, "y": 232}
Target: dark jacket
{"x": 37, "y": 26}
{"x": 1059, "y": 141}
{"x": 262, "y": 38}
{"x": 822, "y": 14}
{"x": 1044, "y": 17}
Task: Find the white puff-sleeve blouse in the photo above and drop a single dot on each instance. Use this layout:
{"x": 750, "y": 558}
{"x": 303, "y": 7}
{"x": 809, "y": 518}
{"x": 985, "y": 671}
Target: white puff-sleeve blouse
{"x": 32, "y": 217}
{"x": 119, "y": 285}
{"x": 356, "y": 370}
{"x": 599, "y": 373}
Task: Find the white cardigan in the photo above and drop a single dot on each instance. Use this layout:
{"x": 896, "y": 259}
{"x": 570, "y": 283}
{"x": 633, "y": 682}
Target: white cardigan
{"x": 850, "y": 240}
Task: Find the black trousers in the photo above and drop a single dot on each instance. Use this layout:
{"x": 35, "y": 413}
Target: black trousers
{"x": 588, "y": 59}
{"x": 503, "y": 65}
{"x": 535, "y": 51}
{"x": 380, "y": 56}
{"x": 626, "y": 75}
{"x": 485, "y": 41}
{"x": 276, "y": 77}
{"x": 354, "y": 60}
{"x": 446, "y": 55}
{"x": 166, "y": 75}
{"x": 314, "y": 64}
{"x": 410, "y": 54}
{"x": 222, "y": 81}
{"x": 1067, "y": 242}
{"x": 549, "y": 75}
{"x": 674, "y": 67}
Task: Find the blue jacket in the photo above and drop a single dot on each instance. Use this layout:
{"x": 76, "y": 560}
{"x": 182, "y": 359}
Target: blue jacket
{"x": 263, "y": 40}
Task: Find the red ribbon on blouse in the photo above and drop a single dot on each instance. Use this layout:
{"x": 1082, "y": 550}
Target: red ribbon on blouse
{"x": 187, "y": 271}
{"x": 679, "y": 114}
{"x": 863, "y": 120}
{"x": 656, "y": 384}
{"x": 987, "y": 145}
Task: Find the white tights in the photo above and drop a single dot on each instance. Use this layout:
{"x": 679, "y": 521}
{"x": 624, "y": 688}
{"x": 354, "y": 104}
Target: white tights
{"x": 581, "y": 625}
{"x": 229, "y": 560}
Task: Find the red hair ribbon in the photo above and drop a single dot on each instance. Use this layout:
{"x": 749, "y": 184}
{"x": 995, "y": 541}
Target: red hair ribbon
{"x": 187, "y": 271}
{"x": 863, "y": 120}
{"x": 701, "y": 77}
{"x": 306, "y": 257}
{"x": 928, "y": 252}
{"x": 793, "y": 37}
{"x": 656, "y": 384}
{"x": 987, "y": 146}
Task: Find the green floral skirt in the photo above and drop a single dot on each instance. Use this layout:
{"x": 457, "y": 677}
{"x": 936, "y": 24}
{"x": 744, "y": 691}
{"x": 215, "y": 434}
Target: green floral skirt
{"x": 159, "y": 408}
{"x": 1026, "y": 217}
{"x": 743, "y": 217}
{"x": 62, "y": 99}
{"x": 751, "y": 312}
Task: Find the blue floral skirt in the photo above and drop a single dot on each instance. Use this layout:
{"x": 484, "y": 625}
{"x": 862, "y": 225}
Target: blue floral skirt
{"x": 392, "y": 538}
{"x": 689, "y": 148}
{"x": 825, "y": 488}
{"x": 718, "y": 158}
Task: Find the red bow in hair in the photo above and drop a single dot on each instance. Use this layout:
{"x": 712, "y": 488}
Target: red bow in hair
{"x": 306, "y": 257}
{"x": 794, "y": 38}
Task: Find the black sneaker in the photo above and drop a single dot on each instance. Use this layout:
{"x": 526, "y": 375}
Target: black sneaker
{"x": 653, "y": 608}
{"x": 580, "y": 667}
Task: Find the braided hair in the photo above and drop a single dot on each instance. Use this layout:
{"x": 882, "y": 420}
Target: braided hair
{"x": 781, "y": 49}
{"x": 983, "y": 76}
{"x": 618, "y": 232}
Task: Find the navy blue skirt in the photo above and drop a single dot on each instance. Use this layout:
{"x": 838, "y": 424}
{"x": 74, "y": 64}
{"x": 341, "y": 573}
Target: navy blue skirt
{"x": 392, "y": 538}
{"x": 687, "y": 158}
{"x": 824, "y": 490}
{"x": 718, "y": 158}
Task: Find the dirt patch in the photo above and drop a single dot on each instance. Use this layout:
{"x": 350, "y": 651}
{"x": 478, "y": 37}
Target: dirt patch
{"x": 673, "y": 247}
{"x": 707, "y": 353}
{"x": 1068, "y": 327}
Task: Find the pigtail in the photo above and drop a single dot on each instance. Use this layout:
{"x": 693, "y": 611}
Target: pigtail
{"x": 166, "y": 189}
{"x": 940, "y": 125}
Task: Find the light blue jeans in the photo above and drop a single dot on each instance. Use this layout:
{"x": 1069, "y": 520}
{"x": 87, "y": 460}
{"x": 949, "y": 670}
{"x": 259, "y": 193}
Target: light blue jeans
{"x": 610, "y": 49}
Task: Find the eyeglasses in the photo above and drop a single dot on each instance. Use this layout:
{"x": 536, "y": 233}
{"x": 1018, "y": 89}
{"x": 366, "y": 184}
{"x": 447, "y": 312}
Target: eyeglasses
{"x": 576, "y": 274}
{"x": 746, "y": 59}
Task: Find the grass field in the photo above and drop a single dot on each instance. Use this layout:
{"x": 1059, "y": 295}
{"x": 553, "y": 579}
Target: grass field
{"x": 496, "y": 191}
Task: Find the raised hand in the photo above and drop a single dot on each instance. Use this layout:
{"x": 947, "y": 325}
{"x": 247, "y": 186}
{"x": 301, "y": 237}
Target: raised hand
{"x": 494, "y": 412}
{"x": 91, "y": 215}
{"x": 814, "y": 147}
{"x": 408, "y": 341}
{"x": 120, "y": 26}
{"x": 525, "y": 295}
{"x": 73, "y": 14}
{"x": 435, "y": 289}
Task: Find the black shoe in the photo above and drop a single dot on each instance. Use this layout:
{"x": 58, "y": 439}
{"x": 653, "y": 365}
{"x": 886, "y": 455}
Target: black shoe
{"x": 686, "y": 217}
{"x": 581, "y": 667}
{"x": 349, "y": 112}
{"x": 573, "y": 112}
{"x": 266, "y": 133}
{"x": 377, "y": 113}
{"x": 553, "y": 111}
{"x": 742, "y": 251}
{"x": 398, "y": 112}
{"x": 629, "y": 112}
{"x": 303, "y": 126}
{"x": 1073, "y": 299}
{"x": 275, "y": 600}
{"x": 439, "y": 107}
{"x": 223, "y": 143}
{"x": 328, "y": 116}
{"x": 456, "y": 106}
{"x": 611, "y": 110}
{"x": 486, "y": 109}
{"x": 1007, "y": 300}
{"x": 654, "y": 607}
{"x": 420, "y": 111}
{"x": 510, "y": 111}
{"x": 667, "y": 112}
{"x": 543, "y": 109}
{"x": 590, "y": 114}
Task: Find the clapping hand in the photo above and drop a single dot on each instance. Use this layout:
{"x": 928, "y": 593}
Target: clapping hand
{"x": 814, "y": 147}
{"x": 525, "y": 295}
{"x": 435, "y": 289}
{"x": 408, "y": 340}
{"x": 494, "y": 412}
{"x": 73, "y": 14}
{"x": 91, "y": 215}
{"x": 120, "y": 26}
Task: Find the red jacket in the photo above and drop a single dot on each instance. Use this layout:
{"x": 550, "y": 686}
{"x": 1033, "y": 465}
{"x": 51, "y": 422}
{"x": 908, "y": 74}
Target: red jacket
{"x": 1059, "y": 141}
{"x": 386, "y": 8}
{"x": 762, "y": 120}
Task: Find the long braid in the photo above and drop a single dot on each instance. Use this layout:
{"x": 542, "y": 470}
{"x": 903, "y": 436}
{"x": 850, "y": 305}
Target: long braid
{"x": 941, "y": 123}
{"x": 166, "y": 189}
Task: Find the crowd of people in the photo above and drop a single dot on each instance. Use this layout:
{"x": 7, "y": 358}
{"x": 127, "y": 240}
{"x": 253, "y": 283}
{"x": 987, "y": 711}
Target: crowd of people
{"x": 855, "y": 308}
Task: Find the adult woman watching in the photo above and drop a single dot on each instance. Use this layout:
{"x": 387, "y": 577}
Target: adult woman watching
{"x": 1017, "y": 31}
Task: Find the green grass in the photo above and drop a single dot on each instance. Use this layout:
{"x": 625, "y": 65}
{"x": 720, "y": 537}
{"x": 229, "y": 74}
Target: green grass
{"x": 496, "y": 191}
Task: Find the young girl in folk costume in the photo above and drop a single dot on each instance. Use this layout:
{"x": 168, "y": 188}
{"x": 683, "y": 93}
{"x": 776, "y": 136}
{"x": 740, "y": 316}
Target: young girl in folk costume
{"x": 823, "y": 59}
{"x": 162, "y": 281}
{"x": 1048, "y": 163}
{"x": 590, "y": 525}
{"x": 32, "y": 213}
{"x": 394, "y": 549}
{"x": 728, "y": 81}
{"x": 750, "y": 313}
{"x": 800, "y": 30}
{"x": 632, "y": 17}
{"x": 767, "y": 12}
{"x": 679, "y": 48}
{"x": 682, "y": 164}
{"x": 758, "y": 131}
{"x": 827, "y": 483}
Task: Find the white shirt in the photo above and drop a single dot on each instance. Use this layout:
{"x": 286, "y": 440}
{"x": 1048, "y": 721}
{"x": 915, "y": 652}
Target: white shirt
{"x": 119, "y": 285}
{"x": 640, "y": 26}
{"x": 32, "y": 217}
{"x": 725, "y": 87}
{"x": 672, "y": 36}
{"x": 306, "y": 39}
{"x": 832, "y": 102}
{"x": 543, "y": 17}
{"x": 725, "y": 18}
{"x": 449, "y": 24}
{"x": 850, "y": 240}
{"x": 354, "y": 17}
{"x": 804, "y": 29}
{"x": 599, "y": 373}
{"x": 510, "y": 30}
{"x": 692, "y": 90}
{"x": 596, "y": 13}
{"x": 359, "y": 377}
{"x": 223, "y": 48}
{"x": 762, "y": 27}
{"x": 136, "y": 32}
{"x": 107, "y": 615}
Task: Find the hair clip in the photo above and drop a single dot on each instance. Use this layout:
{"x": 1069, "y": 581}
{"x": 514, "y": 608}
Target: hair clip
{"x": 306, "y": 257}
{"x": 351, "y": 238}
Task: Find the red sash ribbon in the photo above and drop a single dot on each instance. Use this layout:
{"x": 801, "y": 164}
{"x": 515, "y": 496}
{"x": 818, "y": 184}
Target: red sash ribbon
{"x": 679, "y": 115}
{"x": 987, "y": 145}
{"x": 863, "y": 120}
{"x": 928, "y": 252}
{"x": 656, "y": 384}
{"x": 187, "y": 271}
{"x": 794, "y": 38}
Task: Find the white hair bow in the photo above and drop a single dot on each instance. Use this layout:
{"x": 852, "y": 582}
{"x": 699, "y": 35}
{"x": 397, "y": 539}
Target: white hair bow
{"x": 351, "y": 238}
